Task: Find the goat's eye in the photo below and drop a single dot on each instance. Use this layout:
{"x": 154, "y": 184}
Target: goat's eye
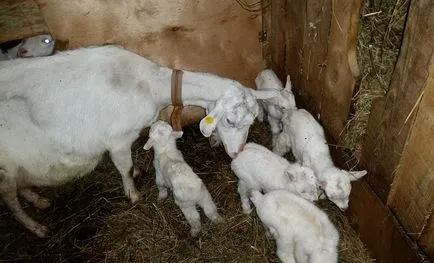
{"x": 46, "y": 40}
{"x": 229, "y": 122}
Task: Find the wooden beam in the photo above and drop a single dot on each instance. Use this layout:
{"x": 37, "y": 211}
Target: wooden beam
{"x": 299, "y": 39}
{"x": 378, "y": 228}
{"x": 20, "y": 19}
{"x": 314, "y": 53}
{"x": 266, "y": 29}
{"x": 412, "y": 194}
{"x": 388, "y": 125}
{"x": 341, "y": 71}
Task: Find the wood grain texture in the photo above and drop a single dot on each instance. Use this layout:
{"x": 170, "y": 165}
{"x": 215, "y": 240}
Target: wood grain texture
{"x": 412, "y": 193}
{"x": 387, "y": 130}
{"x": 341, "y": 72}
{"x": 378, "y": 228}
{"x": 426, "y": 241}
{"x": 20, "y": 19}
{"x": 299, "y": 43}
{"x": 216, "y": 37}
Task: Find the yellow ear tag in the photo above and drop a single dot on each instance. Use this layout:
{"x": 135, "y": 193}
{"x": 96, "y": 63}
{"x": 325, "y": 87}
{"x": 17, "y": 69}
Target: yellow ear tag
{"x": 209, "y": 120}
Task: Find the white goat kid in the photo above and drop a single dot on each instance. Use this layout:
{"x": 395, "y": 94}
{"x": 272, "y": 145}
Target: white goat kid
{"x": 171, "y": 171}
{"x": 258, "y": 168}
{"x": 305, "y": 136}
{"x": 36, "y": 46}
{"x": 60, "y": 113}
{"x": 303, "y": 233}
{"x": 268, "y": 80}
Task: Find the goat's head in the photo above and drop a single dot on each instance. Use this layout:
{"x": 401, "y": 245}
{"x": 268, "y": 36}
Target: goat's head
{"x": 338, "y": 185}
{"x": 268, "y": 80}
{"x": 231, "y": 116}
{"x": 161, "y": 133}
{"x": 37, "y": 46}
{"x": 304, "y": 181}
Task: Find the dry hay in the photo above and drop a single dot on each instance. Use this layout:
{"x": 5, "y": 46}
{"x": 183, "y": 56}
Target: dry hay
{"x": 380, "y": 37}
{"x": 92, "y": 221}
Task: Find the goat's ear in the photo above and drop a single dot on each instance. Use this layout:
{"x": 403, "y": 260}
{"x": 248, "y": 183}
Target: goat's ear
{"x": 177, "y": 134}
{"x": 288, "y": 85}
{"x": 292, "y": 177}
{"x": 209, "y": 122}
{"x": 148, "y": 144}
{"x": 355, "y": 175}
{"x": 264, "y": 94}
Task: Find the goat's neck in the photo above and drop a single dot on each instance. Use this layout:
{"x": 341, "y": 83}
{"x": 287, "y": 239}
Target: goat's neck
{"x": 198, "y": 89}
{"x": 168, "y": 151}
{"x": 321, "y": 164}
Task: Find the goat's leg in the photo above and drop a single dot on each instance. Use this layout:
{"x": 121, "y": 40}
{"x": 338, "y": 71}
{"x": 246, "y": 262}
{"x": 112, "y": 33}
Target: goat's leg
{"x": 34, "y": 198}
{"x": 123, "y": 162}
{"x": 8, "y": 191}
{"x": 285, "y": 251}
{"x": 209, "y": 207}
{"x": 245, "y": 201}
{"x": 192, "y": 217}
{"x": 162, "y": 189}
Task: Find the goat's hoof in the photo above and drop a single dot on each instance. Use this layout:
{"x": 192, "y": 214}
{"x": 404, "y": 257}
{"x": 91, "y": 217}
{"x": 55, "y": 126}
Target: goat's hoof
{"x": 136, "y": 173}
{"x": 162, "y": 195}
{"x": 194, "y": 232}
{"x": 42, "y": 203}
{"x": 217, "y": 219}
{"x": 134, "y": 197}
{"x": 42, "y": 231}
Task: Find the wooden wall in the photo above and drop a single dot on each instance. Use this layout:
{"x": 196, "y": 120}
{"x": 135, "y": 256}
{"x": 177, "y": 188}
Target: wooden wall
{"x": 315, "y": 42}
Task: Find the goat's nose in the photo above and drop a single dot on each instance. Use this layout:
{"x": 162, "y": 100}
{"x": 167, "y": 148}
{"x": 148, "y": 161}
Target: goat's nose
{"x": 241, "y": 148}
{"x": 233, "y": 155}
{"x": 22, "y": 51}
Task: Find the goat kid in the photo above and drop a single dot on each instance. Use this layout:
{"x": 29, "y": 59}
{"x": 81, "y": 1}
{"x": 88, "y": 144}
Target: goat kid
{"x": 171, "y": 171}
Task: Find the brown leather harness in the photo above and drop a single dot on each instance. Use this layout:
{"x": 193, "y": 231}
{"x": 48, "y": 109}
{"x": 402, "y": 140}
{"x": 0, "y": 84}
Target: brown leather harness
{"x": 176, "y": 95}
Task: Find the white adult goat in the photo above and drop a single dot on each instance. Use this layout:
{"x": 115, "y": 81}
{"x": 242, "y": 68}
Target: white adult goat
{"x": 305, "y": 137}
{"x": 258, "y": 168}
{"x": 59, "y": 114}
{"x": 36, "y": 46}
{"x": 303, "y": 233}
{"x": 171, "y": 171}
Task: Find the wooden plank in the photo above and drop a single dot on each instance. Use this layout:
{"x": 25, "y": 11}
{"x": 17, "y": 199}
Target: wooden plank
{"x": 299, "y": 41}
{"x": 278, "y": 37}
{"x": 387, "y": 130}
{"x": 412, "y": 194}
{"x": 426, "y": 241}
{"x": 341, "y": 71}
{"x": 20, "y": 19}
{"x": 314, "y": 53}
{"x": 266, "y": 27}
{"x": 378, "y": 228}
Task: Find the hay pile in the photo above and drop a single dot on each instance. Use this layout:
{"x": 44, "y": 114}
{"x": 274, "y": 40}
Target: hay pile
{"x": 380, "y": 37}
{"x": 92, "y": 221}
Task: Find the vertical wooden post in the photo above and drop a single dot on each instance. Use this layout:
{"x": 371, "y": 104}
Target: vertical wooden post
{"x": 388, "y": 126}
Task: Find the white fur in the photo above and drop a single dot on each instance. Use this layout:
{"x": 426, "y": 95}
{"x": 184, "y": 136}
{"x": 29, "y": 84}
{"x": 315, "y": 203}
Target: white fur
{"x": 305, "y": 136}
{"x": 268, "y": 80}
{"x": 171, "y": 171}
{"x": 36, "y": 46}
{"x": 60, "y": 113}
{"x": 303, "y": 233}
{"x": 258, "y": 168}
